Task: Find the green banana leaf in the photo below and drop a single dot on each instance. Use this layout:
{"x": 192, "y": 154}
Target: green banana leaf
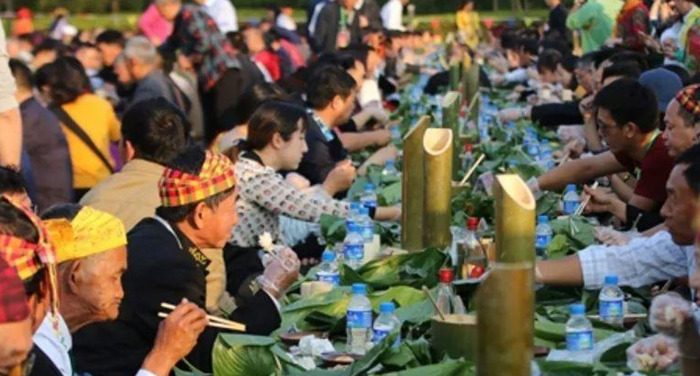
{"x": 245, "y": 355}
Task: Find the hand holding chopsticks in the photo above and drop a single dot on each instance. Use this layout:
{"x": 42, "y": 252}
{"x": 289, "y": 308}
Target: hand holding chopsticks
{"x": 215, "y": 322}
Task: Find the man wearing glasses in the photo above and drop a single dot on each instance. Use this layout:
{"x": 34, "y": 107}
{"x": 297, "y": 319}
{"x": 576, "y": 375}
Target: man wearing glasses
{"x": 627, "y": 119}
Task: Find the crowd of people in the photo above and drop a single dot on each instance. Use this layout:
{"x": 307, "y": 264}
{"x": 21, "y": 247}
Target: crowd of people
{"x": 158, "y": 157}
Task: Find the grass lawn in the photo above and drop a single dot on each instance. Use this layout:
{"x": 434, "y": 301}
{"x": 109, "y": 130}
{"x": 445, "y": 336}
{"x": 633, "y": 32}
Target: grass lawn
{"x": 124, "y": 21}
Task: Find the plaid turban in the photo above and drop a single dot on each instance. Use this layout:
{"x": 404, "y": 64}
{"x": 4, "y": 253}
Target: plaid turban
{"x": 688, "y": 101}
{"x": 91, "y": 232}
{"x": 29, "y": 258}
{"x": 13, "y": 299}
{"x": 178, "y": 188}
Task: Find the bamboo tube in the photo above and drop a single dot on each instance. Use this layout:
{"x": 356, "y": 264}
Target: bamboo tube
{"x": 450, "y": 120}
{"x": 437, "y": 213}
{"x": 412, "y": 187}
{"x": 455, "y": 71}
{"x": 515, "y": 219}
{"x": 472, "y": 81}
{"x": 505, "y": 317}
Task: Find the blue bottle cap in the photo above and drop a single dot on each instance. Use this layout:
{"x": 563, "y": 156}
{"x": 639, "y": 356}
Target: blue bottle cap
{"x": 364, "y": 210}
{"x": 354, "y": 205}
{"x": 542, "y": 219}
{"x": 369, "y": 187}
{"x": 571, "y": 188}
{"x": 353, "y": 227}
{"x": 611, "y": 279}
{"x": 577, "y": 309}
{"x": 328, "y": 256}
{"x": 359, "y": 289}
{"x": 389, "y": 162}
{"x": 387, "y": 307}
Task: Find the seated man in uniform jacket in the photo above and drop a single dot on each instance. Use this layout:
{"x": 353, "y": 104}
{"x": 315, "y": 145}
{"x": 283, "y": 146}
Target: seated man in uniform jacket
{"x": 165, "y": 264}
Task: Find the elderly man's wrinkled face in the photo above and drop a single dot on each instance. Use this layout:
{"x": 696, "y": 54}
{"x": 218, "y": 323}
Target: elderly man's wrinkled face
{"x": 680, "y": 207}
{"x": 97, "y": 281}
{"x": 678, "y": 136}
{"x": 16, "y": 339}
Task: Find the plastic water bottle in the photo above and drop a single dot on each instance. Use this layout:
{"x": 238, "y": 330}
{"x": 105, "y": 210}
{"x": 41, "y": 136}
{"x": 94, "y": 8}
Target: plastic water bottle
{"x": 395, "y": 135}
{"x": 571, "y": 200}
{"x": 611, "y": 302}
{"x": 546, "y": 159}
{"x": 468, "y": 159}
{"x": 579, "y": 331}
{"x": 390, "y": 170}
{"x": 447, "y": 300}
{"x": 353, "y": 213}
{"x": 543, "y": 235}
{"x": 359, "y": 320}
{"x": 353, "y": 247}
{"x": 369, "y": 198}
{"x": 472, "y": 256}
{"x": 328, "y": 270}
{"x": 386, "y": 323}
{"x": 366, "y": 225}
{"x": 532, "y": 147}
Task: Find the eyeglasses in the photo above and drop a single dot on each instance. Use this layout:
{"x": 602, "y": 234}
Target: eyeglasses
{"x": 602, "y": 126}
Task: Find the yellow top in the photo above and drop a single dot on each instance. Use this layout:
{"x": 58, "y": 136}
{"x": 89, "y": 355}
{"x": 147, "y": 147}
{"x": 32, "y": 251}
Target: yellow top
{"x": 97, "y": 118}
{"x": 468, "y": 23}
{"x": 91, "y": 232}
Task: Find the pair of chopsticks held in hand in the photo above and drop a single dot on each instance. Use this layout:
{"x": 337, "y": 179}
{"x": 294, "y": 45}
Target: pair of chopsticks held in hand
{"x": 215, "y": 322}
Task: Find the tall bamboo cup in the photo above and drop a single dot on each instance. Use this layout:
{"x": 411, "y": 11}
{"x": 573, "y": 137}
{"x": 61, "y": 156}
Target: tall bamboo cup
{"x": 450, "y": 120}
{"x": 412, "y": 187}
{"x": 437, "y": 212}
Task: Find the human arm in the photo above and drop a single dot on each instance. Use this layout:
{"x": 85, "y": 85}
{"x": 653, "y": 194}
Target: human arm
{"x": 580, "y": 171}
{"x": 621, "y": 188}
{"x": 357, "y": 141}
{"x": 10, "y": 119}
{"x": 563, "y": 272}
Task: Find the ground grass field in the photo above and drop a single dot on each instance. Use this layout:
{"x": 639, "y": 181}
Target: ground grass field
{"x": 125, "y": 21}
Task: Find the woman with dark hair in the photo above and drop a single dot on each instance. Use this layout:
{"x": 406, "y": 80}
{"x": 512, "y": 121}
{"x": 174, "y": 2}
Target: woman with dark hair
{"x": 277, "y": 142}
{"x": 88, "y": 121}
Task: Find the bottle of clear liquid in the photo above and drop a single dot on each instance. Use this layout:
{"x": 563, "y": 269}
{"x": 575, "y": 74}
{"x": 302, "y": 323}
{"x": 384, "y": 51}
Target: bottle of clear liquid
{"x": 579, "y": 331}
{"x": 611, "y": 302}
{"x": 359, "y": 320}
{"x": 543, "y": 235}
{"x": 546, "y": 159}
{"x": 396, "y": 135}
{"x": 353, "y": 213}
{"x": 369, "y": 197}
{"x": 473, "y": 258}
{"x": 328, "y": 270}
{"x": 468, "y": 159}
{"x": 390, "y": 170}
{"x": 366, "y": 225}
{"x": 447, "y": 300}
{"x": 532, "y": 147}
{"x": 571, "y": 200}
{"x": 353, "y": 247}
{"x": 385, "y": 323}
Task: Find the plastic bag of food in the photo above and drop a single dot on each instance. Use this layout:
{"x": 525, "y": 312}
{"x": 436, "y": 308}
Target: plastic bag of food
{"x": 656, "y": 353}
{"x": 668, "y": 312}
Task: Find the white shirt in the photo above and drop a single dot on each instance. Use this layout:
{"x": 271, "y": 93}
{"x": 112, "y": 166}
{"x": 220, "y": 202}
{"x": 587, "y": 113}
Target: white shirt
{"x": 284, "y": 21}
{"x": 223, "y": 13}
{"x": 516, "y": 75}
{"x": 392, "y": 12}
{"x": 641, "y": 262}
{"x": 56, "y": 345}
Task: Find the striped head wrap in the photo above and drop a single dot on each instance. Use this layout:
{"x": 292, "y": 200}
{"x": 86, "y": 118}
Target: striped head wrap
{"x": 177, "y": 188}
{"x": 689, "y": 99}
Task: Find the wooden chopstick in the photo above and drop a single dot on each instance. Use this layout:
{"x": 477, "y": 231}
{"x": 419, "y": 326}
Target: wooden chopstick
{"x": 214, "y": 321}
{"x": 472, "y": 169}
{"x": 585, "y": 202}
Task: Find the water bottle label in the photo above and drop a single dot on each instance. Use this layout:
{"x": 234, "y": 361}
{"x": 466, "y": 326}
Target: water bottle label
{"x": 332, "y": 278}
{"x": 354, "y": 251}
{"x": 579, "y": 341}
{"x": 381, "y": 333}
{"x": 570, "y": 206}
{"x": 368, "y": 233}
{"x": 370, "y": 203}
{"x": 359, "y": 318}
{"x": 542, "y": 241}
{"x": 611, "y": 309}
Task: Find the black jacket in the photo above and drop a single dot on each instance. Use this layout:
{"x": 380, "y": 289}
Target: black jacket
{"x": 328, "y": 26}
{"x": 371, "y": 11}
{"x": 158, "y": 271}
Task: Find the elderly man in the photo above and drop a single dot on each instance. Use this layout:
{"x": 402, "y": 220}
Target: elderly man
{"x": 91, "y": 252}
{"x": 643, "y": 261}
{"x": 142, "y": 62}
{"x": 682, "y": 120}
{"x": 166, "y": 264}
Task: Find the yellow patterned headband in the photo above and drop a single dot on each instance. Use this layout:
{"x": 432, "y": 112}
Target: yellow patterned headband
{"x": 91, "y": 232}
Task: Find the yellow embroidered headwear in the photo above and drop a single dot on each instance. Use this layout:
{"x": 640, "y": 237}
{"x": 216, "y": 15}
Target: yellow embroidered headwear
{"x": 91, "y": 232}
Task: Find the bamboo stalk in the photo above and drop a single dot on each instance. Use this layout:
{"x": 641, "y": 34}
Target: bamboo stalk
{"x": 471, "y": 82}
{"x": 455, "y": 71}
{"x": 450, "y": 120}
{"x": 505, "y": 320}
{"x": 437, "y": 211}
{"x": 515, "y": 219}
{"x": 412, "y": 187}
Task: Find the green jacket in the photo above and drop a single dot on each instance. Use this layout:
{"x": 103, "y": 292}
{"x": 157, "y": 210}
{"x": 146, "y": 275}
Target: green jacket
{"x": 592, "y": 23}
